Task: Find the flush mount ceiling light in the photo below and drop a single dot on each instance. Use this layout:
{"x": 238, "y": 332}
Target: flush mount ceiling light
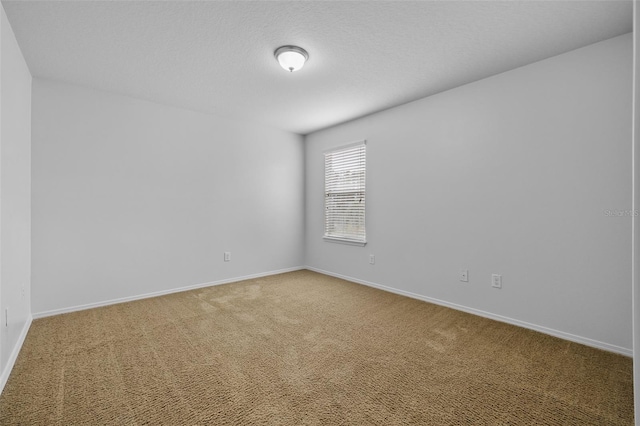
{"x": 291, "y": 58}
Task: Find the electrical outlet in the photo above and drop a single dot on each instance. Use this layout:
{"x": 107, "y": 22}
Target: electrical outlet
{"x": 372, "y": 259}
{"x": 227, "y": 256}
{"x": 464, "y": 275}
{"x": 496, "y": 281}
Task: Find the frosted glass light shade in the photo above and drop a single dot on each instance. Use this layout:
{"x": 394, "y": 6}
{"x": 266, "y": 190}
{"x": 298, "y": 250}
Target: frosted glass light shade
{"x": 291, "y": 58}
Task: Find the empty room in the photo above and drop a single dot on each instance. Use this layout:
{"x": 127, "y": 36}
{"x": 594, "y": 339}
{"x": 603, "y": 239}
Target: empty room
{"x": 319, "y": 213}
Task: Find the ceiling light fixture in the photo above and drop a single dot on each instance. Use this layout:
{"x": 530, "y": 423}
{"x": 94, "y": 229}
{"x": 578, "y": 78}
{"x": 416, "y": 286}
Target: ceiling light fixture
{"x": 291, "y": 58}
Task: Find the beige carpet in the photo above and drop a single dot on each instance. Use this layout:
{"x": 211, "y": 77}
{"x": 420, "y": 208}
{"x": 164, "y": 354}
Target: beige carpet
{"x": 305, "y": 349}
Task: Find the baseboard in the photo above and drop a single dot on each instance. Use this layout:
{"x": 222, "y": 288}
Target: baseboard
{"x": 160, "y": 293}
{"x": 14, "y": 354}
{"x": 561, "y": 334}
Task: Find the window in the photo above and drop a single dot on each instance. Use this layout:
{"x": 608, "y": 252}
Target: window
{"x": 344, "y": 194}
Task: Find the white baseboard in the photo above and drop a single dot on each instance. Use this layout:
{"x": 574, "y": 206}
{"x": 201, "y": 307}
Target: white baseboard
{"x": 14, "y": 354}
{"x": 561, "y": 334}
{"x": 159, "y": 293}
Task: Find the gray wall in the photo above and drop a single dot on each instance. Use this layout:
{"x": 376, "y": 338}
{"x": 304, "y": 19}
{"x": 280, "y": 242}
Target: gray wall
{"x": 133, "y": 198}
{"x": 15, "y": 197}
{"x": 636, "y": 207}
{"x": 522, "y": 174}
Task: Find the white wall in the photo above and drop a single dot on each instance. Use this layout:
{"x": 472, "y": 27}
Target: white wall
{"x": 509, "y": 175}
{"x": 15, "y": 197}
{"x": 132, "y": 197}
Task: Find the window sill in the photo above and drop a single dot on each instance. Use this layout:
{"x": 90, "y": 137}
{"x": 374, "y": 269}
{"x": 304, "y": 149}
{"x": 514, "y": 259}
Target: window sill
{"x": 345, "y": 241}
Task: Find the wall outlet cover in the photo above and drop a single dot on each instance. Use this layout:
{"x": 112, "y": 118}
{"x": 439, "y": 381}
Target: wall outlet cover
{"x": 496, "y": 281}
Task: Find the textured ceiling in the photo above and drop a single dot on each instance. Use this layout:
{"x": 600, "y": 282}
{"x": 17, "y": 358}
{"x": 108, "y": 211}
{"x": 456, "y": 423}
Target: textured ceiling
{"x": 365, "y": 56}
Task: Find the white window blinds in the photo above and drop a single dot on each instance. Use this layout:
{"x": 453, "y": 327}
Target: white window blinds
{"x": 344, "y": 194}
